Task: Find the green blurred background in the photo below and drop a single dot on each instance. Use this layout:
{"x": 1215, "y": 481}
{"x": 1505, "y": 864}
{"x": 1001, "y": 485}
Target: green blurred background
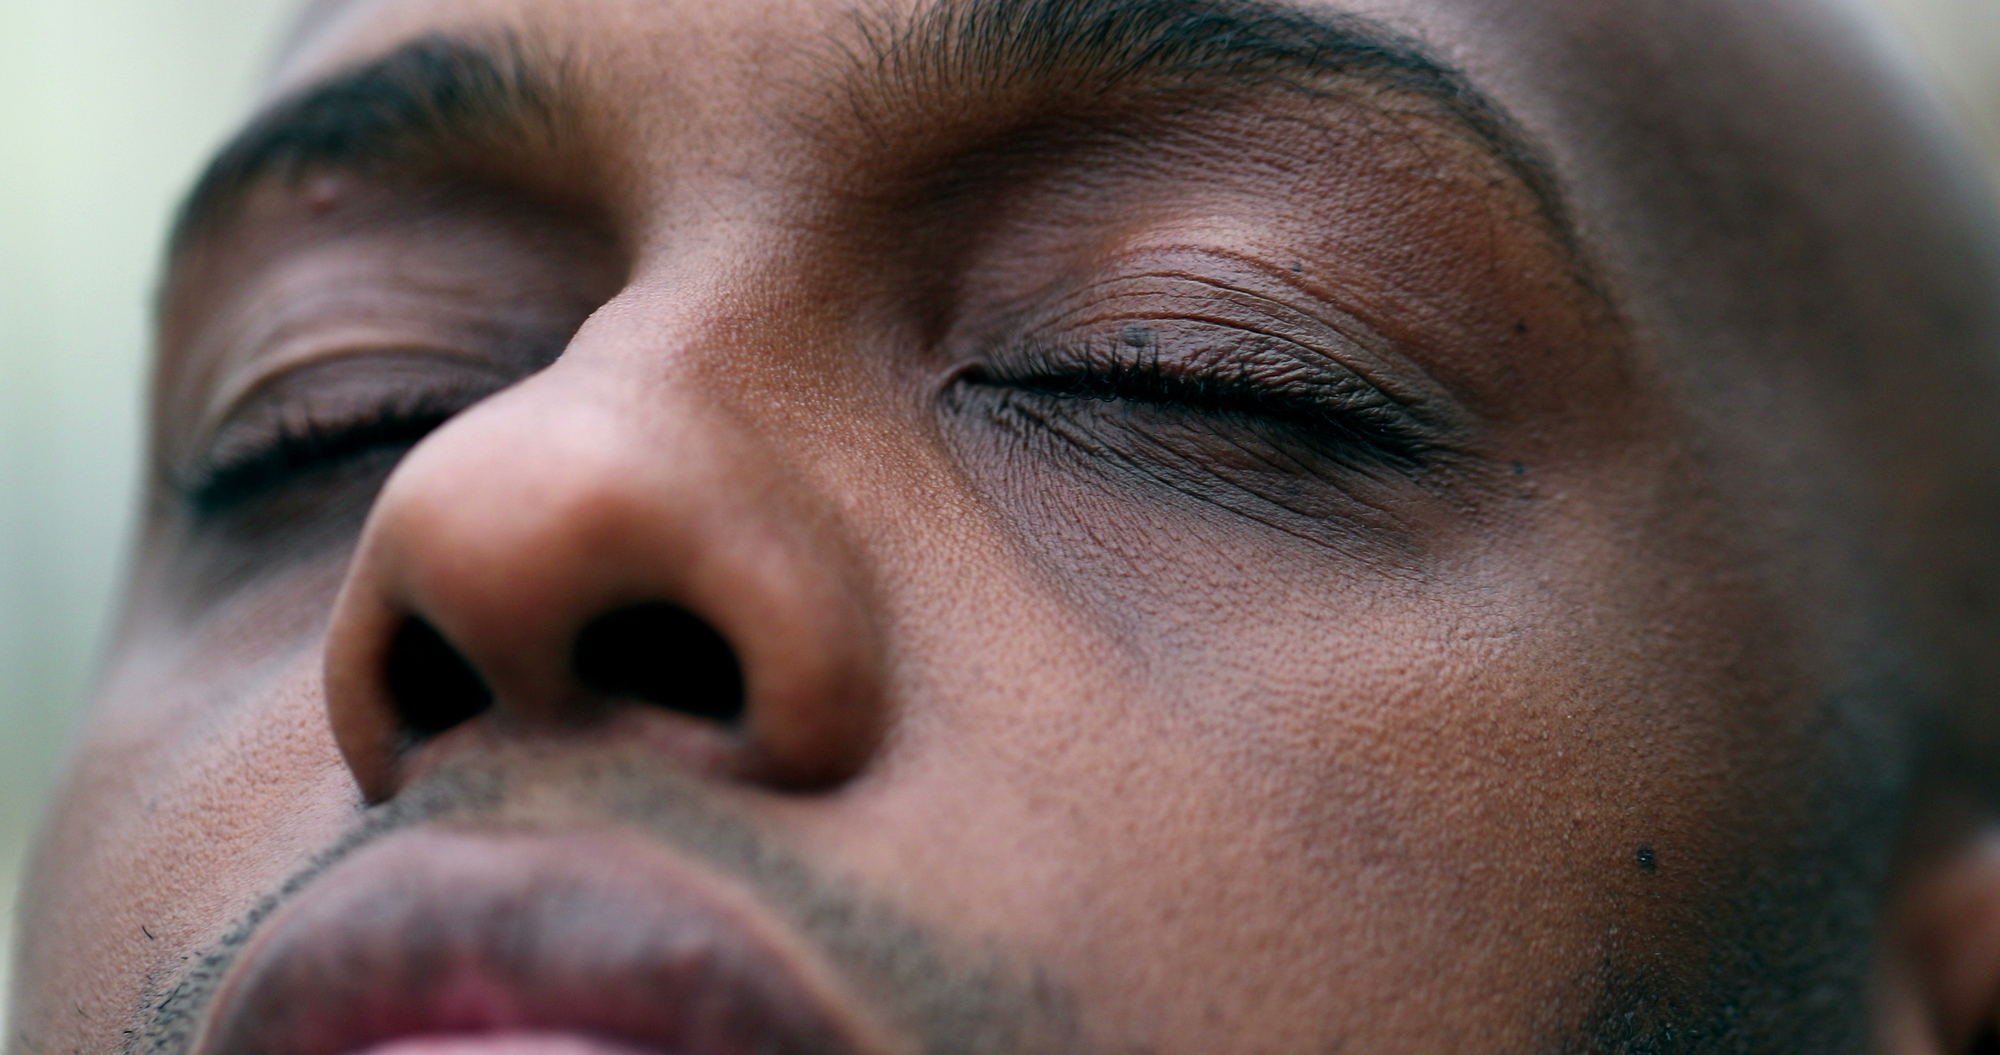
{"x": 106, "y": 109}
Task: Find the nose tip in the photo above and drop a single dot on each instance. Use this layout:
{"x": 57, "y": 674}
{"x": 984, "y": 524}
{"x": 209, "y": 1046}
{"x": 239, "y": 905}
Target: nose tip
{"x": 676, "y": 582}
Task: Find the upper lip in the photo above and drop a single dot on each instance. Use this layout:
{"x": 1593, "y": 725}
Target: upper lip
{"x": 604, "y": 936}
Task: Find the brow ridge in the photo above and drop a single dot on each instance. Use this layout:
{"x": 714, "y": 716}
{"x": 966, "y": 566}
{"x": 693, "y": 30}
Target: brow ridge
{"x": 438, "y": 99}
{"x": 432, "y": 101}
{"x": 950, "y": 48}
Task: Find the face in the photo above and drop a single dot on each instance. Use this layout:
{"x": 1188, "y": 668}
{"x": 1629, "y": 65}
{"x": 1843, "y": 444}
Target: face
{"x": 1016, "y": 527}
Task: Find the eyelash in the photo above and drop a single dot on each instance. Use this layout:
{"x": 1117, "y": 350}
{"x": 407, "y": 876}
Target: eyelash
{"x": 1352, "y": 416}
{"x": 307, "y": 443}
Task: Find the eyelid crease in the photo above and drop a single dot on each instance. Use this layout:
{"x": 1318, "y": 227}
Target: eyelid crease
{"x": 271, "y": 434}
{"x": 1327, "y": 403}
{"x": 1224, "y": 330}
{"x": 272, "y": 368}
{"x": 1194, "y": 283}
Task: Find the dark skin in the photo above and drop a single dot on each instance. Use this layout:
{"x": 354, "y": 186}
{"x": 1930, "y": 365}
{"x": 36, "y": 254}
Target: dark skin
{"x": 762, "y": 527}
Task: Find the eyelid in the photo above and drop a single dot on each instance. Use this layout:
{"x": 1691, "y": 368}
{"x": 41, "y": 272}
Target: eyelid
{"x": 321, "y": 398}
{"x": 1174, "y": 278}
{"x": 1228, "y": 327}
{"x": 293, "y": 358}
{"x": 1336, "y": 408}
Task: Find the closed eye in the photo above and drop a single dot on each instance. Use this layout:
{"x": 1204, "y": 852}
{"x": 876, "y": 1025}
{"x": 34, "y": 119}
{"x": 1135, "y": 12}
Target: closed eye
{"x": 307, "y": 445}
{"x": 356, "y": 413}
{"x": 1329, "y": 408}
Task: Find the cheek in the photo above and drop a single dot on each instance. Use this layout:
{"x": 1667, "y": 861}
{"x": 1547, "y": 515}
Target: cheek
{"x": 1419, "y": 788}
{"x": 201, "y": 781}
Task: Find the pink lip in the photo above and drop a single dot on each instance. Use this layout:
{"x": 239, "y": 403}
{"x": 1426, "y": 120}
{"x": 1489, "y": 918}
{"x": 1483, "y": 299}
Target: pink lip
{"x": 434, "y": 943}
{"x": 501, "y": 1044}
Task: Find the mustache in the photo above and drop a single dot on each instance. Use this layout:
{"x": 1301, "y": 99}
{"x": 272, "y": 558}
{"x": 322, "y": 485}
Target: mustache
{"x": 957, "y": 995}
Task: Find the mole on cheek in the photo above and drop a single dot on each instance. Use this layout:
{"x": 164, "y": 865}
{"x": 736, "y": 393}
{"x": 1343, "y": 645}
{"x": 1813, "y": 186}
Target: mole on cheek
{"x": 1646, "y": 861}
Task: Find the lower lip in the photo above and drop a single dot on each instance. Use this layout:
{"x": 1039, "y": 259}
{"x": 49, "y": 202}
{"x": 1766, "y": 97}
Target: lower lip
{"x": 467, "y": 942}
{"x": 502, "y": 1044}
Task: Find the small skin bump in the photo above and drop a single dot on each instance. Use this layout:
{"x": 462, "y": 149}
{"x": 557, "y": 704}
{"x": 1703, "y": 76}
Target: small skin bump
{"x": 327, "y": 192}
{"x": 1646, "y": 860}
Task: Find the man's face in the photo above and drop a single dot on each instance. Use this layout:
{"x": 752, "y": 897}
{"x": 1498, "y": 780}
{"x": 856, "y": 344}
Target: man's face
{"x": 964, "y": 527}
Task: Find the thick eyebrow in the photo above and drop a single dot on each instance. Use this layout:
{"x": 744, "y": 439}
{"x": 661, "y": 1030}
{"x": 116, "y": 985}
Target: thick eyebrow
{"x": 955, "y": 48}
{"x": 433, "y": 102}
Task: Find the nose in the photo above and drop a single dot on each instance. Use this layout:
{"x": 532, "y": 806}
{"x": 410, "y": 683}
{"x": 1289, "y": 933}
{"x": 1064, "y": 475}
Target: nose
{"x": 580, "y": 555}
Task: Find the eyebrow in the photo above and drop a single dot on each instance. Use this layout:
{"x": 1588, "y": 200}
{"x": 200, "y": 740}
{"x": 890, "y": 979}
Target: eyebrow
{"x": 956, "y": 47}
{"x": 429, "y": 104}
{"x": 437, "y": 100}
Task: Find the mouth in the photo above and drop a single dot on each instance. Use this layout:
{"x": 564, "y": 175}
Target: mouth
{"x": 470, "y": 943}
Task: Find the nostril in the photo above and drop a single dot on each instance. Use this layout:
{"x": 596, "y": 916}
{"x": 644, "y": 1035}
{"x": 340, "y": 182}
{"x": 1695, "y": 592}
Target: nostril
{"x": 433, "y": 686}
{"x": 665, "y": 655}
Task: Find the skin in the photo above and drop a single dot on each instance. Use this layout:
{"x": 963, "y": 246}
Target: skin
{"x": 1643, "y": 709}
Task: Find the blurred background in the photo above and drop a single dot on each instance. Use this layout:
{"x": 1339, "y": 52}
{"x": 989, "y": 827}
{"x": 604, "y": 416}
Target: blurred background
{"x": 106, "y": 109}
